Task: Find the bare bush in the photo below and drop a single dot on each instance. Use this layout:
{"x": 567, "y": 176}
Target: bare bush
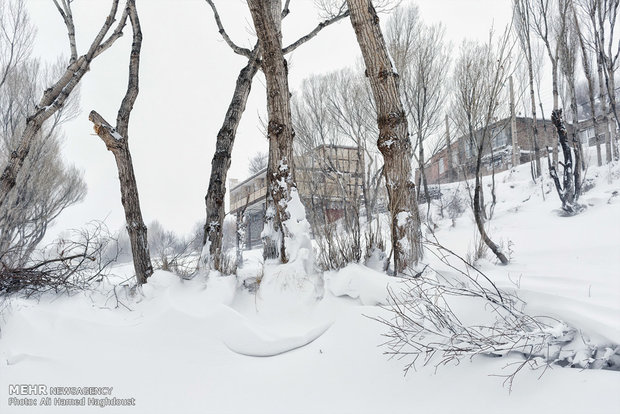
{"x": 338, "y": 244}
{"x": 71, "y": 263}
{"x": 426, "y": 326}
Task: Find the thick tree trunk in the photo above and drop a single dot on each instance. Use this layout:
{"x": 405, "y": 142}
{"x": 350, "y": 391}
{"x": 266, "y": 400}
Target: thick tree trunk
{"x": 281, "y": 186}
{"x": 214, "y": 200}
{"x": 570, "y": 188}
{"x": 393, "y": 142}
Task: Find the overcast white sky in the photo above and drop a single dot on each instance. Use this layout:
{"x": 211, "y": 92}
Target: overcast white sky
{"x": 187, "y": 78}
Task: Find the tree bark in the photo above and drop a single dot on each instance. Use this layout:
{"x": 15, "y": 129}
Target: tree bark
{"x": 280, "y": 169}
{"x": 117, "y": 142}
{"x": 393, "y": 141}
{"x": 570, "y": 188}
{"x": 214, "y": 200}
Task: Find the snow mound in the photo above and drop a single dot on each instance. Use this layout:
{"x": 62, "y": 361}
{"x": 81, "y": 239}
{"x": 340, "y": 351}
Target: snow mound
{"x": 360, "y": 282}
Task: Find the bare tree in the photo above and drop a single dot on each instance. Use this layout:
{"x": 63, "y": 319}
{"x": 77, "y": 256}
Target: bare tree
{"x": 258, "y": 162}
{"x": 608, "y": 48}
{"x": 46, "y": 185}
{"x": 393, "y": 142}
{"x": 336, "y": 109}
{"x": 568, "y": 63}
{"x": 480, "y": 74}
{"x": 56, "y": 96}
{"x": 522, "y": 10}
{"x": 16, "y": 37}
{"x": 548, "y": 21}
{"x": 422, "y": 60}
{"x": 587, "y": 71}
{"x": 214, "y": 199}
{"x": 116, "y": 140}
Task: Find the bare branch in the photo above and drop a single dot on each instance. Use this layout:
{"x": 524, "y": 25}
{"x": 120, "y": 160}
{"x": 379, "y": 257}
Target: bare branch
{"x": 67, "y": 16}
{"x": 238, "y": 50}
{"x": 122, "y": 119}
{"x": 315, "y": 31}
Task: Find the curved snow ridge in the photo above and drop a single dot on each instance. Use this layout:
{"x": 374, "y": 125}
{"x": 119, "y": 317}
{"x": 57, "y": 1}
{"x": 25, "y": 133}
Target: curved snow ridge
{"x": 249, "y": 340}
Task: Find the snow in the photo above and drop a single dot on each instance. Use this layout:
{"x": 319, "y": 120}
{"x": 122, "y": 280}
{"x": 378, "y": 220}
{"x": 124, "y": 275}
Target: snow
{"x": 359, "y": 282}
{"x": 306, "y": 342}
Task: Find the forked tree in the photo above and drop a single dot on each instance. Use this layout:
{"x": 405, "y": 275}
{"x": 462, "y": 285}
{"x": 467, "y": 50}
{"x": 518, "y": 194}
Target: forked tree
{"x": 393, "y": 141}
{"x": 214, "y": 199}
{"x": 116, "y": 140}
{"x": 56, "y": 96}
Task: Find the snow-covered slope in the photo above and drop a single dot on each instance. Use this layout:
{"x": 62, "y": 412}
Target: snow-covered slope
{"x": 307, "y": 346}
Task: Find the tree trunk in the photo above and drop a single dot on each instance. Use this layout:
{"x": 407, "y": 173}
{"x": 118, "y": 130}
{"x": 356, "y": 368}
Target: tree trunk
{"x": 611, "y": 91}
{"x": 570, "y": 188}
{"x": 393, "y": 141}
{"x": 530, "y": 73}
{"x": 577, "y": 149}
{"x": 603, "y": 103}
{"x": 587, "y": 71}
{"x": 556, "y": 104}
{"x": 451, "y": 175}
{"x": 516, "y": 152}
{"x": 118, "y": 145}
{"x": 214, "y": 200}
{"x": 423, "y": 174}
{"x": 117, "y": 141}
{"x": 281, "y": 185}
{"x": 479, "y": 207}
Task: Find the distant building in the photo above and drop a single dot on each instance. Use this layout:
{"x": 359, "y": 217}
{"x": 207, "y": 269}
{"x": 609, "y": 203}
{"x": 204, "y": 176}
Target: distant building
{"x": 497, "y": 153}
{"x": 329, "y": 178}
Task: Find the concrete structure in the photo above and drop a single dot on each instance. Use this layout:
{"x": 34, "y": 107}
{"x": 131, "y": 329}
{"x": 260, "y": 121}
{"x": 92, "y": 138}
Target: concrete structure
{"x": 329, "y": 178}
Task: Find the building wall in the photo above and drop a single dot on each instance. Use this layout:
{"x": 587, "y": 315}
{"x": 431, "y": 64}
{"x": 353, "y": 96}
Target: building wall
{"x": 328, "y": 178}
{"x": 497, "y": 153}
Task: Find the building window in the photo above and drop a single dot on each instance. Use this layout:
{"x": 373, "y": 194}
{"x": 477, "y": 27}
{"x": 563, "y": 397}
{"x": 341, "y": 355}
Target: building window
{"x": 442, "y": 167}
{"x": 587, "y": 136}
{"x": 500, "y": 140}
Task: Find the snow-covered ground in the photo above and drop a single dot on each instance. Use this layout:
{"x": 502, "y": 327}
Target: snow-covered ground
{"x": 308, "y": 346}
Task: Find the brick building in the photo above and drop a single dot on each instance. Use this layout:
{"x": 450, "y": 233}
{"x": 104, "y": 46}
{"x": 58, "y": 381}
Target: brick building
{"x": 459, "y": 160}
